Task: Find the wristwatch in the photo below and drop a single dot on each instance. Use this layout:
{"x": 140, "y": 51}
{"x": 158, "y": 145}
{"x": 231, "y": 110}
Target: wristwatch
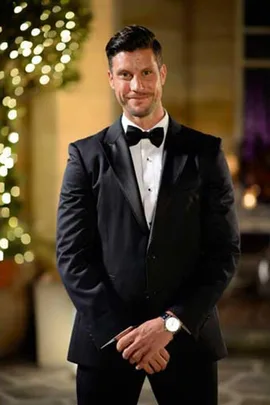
{"x": 171, "y": 323}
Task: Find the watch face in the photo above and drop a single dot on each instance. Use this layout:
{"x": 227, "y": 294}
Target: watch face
{"x": 172, "y": 324}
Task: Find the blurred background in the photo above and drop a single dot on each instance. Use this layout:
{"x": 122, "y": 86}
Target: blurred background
{"x": 54, "y": 90}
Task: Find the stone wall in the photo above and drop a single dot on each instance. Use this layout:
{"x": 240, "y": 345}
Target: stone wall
{"x": 198, "y": 38}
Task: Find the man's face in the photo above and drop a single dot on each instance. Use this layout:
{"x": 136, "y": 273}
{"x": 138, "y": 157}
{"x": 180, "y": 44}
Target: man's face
{"x": 137, "y": 82}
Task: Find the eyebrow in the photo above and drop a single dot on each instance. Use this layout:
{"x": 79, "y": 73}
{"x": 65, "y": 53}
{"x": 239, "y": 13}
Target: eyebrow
{"x": 122, "y": 71}
{"x": 128, "y": 71}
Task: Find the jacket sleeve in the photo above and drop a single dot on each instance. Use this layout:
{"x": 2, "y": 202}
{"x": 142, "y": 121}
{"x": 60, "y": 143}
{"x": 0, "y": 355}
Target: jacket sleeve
{"x": 79, "y": 259}
{"x": 220, "y": 244}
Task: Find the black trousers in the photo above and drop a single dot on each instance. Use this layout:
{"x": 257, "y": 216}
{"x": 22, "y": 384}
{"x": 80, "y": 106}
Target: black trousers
{"x": 188, "y": 380}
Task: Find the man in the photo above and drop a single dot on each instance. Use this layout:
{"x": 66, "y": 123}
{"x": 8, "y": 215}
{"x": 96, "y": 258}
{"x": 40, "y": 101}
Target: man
{"x": 147, "y": 241}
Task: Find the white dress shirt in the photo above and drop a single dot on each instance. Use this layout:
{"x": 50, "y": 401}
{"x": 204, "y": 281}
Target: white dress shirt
{"x": 147, "y": 161}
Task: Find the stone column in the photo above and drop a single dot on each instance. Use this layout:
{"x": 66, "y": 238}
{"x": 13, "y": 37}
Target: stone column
{"x": 56, "y": 119}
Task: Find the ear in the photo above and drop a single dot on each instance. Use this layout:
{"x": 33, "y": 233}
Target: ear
{"x": 110, "y": 76}
{"x": 163, "y": 74}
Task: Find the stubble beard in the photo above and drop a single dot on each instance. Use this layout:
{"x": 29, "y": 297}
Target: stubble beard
{"x": 139, "y": 113}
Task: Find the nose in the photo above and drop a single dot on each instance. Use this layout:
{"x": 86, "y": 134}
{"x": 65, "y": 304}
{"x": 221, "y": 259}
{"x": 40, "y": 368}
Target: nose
{"x": 136, "y": 84}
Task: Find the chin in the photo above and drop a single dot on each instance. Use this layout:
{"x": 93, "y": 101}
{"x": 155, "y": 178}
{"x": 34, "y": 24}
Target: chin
{"x": 140, "y": 113}
{"x": 138, "y": 110}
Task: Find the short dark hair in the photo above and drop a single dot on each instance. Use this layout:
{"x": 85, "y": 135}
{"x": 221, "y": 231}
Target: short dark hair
{"x": 131, "y": 38}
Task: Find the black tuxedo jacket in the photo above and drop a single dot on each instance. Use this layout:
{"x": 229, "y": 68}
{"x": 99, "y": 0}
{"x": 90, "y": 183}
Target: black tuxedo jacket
{"x": 118, "y": 272}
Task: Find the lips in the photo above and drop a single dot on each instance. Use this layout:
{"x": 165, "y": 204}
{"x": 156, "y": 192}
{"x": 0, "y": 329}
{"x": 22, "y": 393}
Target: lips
{"x": 138, "y": 95}
{"x": 138, "y": 98}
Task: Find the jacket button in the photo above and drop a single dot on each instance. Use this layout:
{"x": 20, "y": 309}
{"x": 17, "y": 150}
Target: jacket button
{"x": 154, "y": 257}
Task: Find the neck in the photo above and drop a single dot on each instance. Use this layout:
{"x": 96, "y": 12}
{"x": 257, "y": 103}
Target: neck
{"x": 148, "y": 121}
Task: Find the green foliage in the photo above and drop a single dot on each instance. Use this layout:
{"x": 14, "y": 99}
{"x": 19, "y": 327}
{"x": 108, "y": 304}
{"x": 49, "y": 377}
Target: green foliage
{"x": 39, "y": 44}
{"x": 38, "y": 30}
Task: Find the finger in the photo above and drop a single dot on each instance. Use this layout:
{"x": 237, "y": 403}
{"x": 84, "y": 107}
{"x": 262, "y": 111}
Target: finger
{"x": 132, "y": 350}
{"x": 164, "y": 353}
{"x": 155, "y": 365}
{"x": 137, "y": 356}
{"x": 157, "y": 360}
{"x": 136, "y": 346}
{"x": 162, "y": 363}
{"x": 146, "y": 367}
{"x": 156, "y": 357}
{"x": 125, "y": 341}
{"x": 124, "y": 332}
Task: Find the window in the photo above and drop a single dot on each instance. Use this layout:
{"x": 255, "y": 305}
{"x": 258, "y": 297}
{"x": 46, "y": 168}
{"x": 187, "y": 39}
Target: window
{"x": 255, "y": 145}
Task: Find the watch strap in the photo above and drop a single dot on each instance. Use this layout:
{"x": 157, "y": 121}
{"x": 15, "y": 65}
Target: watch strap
{"x": 165, "y": 316}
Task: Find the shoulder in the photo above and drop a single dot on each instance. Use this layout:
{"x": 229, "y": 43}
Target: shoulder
{"x": 200, "y": 142}
{"x": 87, "y": 151}
{"x": 209, "y": 153}
{"x": 189, "y": 140}
{"x": 89, "y": 147}
{"x": 90, "y": 141}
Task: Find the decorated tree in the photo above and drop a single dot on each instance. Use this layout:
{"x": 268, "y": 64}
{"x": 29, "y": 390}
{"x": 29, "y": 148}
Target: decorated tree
{"x": 40, "y": 41}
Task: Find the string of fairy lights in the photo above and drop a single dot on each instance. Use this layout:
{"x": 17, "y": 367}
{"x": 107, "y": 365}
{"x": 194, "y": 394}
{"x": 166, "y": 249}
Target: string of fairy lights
{"x": 40, "y": 52}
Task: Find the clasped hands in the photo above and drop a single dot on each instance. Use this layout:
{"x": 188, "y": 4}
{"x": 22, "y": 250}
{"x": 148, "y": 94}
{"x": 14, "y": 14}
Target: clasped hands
{"x": 144, "y": 346}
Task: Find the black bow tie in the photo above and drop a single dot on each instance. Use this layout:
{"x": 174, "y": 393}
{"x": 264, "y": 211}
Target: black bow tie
{"x": 134, "y": 135}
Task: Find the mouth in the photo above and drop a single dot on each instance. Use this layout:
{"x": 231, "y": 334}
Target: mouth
{"x": 142, "y": 97}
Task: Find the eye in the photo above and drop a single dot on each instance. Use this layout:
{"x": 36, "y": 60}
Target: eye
{"x": 147, "y": 72}
{"x": 125, "y": 75}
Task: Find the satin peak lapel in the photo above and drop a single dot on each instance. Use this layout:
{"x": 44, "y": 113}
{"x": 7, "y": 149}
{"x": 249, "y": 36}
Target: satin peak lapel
{"x": 175, "y": 158}
{"x": 120, "y": 159}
